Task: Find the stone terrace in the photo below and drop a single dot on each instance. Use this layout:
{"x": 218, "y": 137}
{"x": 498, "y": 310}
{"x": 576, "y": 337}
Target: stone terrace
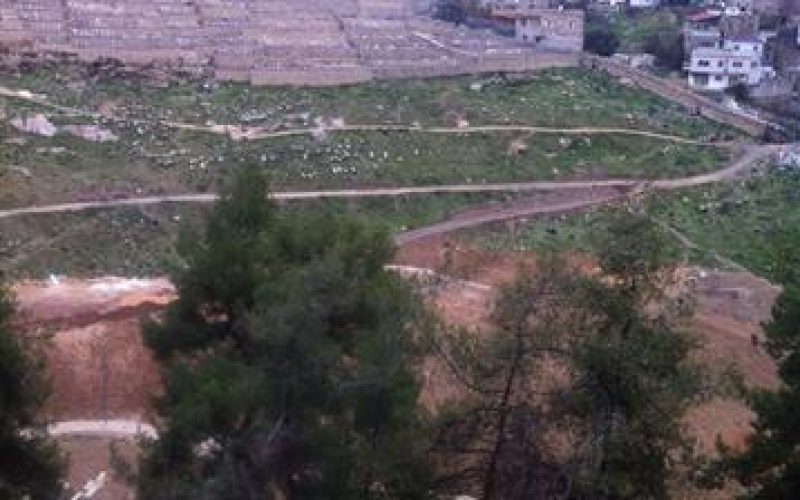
{"x": 266, "y": 42}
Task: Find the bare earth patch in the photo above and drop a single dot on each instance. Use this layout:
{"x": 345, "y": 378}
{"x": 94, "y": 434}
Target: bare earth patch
{"x": 100, "y": 369}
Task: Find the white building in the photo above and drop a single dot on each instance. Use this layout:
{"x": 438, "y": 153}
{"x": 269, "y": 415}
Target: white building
{"x": 745, "y": 45}
{"x": 739, "y": 60}
{"x": 644, "y": 4}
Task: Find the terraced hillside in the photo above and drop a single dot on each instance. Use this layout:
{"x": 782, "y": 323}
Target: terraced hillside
{"x": 267, "y": 42}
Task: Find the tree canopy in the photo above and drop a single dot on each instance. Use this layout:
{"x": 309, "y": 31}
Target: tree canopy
{"x": 287, "y": 361}
{"x": 770, "y": 468}
{"x": 589, "y": 361}
{"x": 30, "y": 465}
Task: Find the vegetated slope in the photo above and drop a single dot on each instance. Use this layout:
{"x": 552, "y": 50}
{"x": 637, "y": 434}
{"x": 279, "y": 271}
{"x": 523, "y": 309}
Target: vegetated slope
{"x": 151, "y": 158}
{"x": 727, "y": 225}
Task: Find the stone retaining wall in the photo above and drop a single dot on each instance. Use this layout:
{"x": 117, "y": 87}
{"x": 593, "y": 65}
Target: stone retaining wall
{"x": 269, "y": 42}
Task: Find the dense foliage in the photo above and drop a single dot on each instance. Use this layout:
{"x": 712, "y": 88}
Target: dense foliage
{"x": 287, "y": 361}
{"x": 30, "y": 465}
{"x": 668, "y": 49}
{"x": 601, "y": 41}
{"x": 581, "y": 391}
{"x": 771, "y": 467}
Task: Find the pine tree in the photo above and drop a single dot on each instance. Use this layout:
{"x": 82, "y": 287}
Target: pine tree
{"x": 30, "y": 464}
{"x": 287, "y": 361}
{"x": 588, "y": 361}
{"x": 771, "y": 466}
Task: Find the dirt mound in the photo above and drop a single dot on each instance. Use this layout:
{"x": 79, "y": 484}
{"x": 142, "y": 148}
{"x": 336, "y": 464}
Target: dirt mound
{"x": 90, "y": 334}
{"x": 730, "y": 309}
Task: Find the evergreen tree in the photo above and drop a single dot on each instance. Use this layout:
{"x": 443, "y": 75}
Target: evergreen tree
{"x": 30, "y": 465}
{"x": 287, "y": 361}
{"x": 587, "y": 361}
{"x": 771, "y": 467}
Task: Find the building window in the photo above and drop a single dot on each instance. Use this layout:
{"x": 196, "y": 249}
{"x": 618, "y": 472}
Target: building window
{"x": 720, "y": 64}
{"x": 703, "y": 63}
{"x": 737, "y": 64}
{"x": 735, "y": 47}
{"x": 718, "y": 78}
{"x": 754, "y": 64}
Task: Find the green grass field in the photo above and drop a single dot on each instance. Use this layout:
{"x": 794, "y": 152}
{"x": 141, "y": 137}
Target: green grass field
{"x": 152, "y": 159}
{"x": 740, "y": 222}
{"x": 563, "y": 98}
{"x": 140, "y": 241}
{"x": 737, "y": 222}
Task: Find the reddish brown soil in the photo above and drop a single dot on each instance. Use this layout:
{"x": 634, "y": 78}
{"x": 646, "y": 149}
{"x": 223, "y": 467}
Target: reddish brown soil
{"x": 729, "y": 311}
{"x": 100, "y": 368}
{"x": 90, "y": 334}
{"x": 88, "y": 457}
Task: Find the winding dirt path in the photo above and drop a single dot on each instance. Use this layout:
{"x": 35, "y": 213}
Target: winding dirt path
{"x": 259, "y": 133}
{"x": 239, "y": 132}
{"x": 751, "y": 156}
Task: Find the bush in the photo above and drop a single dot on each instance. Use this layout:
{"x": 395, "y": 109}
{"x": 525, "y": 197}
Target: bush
{"x": 667, "y": 47}
{"x": 740, "y": 92}
{"x": 451, "y": 11}
{"x": 601, "y": 41}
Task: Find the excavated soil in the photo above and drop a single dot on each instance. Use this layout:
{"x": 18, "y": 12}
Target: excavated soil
{"x": 100, "y": 369}
{"x": 90, "y": 334}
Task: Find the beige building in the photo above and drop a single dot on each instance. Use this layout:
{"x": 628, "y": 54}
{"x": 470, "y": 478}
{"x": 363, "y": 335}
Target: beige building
{"x": 548, "y": 29}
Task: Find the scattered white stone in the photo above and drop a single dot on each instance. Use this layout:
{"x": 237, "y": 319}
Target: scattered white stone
{"x": 207, "y": 448}
{"x": 55, "y": 150}
{"x": 517, "y": 146}
{"x": 92, "y": 133}
{"x": 25, "y": 172}
{"x": 37, "y": 124}
{"x": 789, "y": 158}
{"x": 319, "y": 133}
{"x": 337, "y": 122}
{"x": 91, "y": 488}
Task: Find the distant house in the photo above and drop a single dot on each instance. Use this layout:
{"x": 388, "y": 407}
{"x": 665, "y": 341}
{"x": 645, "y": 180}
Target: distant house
{"x": 724, "y": 50}
{"x": 738, "y": 61}
{"x": 644, "y": 4}
{"x": 702, "y": 30}
{"x": 719, "y": 69}
{"x": 735, "y": 7}
{"x": 550, "y": 29}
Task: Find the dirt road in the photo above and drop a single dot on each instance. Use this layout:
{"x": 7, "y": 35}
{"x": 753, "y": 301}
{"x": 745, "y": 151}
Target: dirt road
{"x": 240, "y": 132}
{"x": 502, "y": 214}
{"x": 260, "y": 133}
{"x": 751, "y": 156}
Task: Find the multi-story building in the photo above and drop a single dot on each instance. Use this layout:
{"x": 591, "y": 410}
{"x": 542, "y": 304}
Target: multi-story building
{"x": 702, "y": 30}
{"x": 737, "y": 61}
{"x": 725, "y": 49}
